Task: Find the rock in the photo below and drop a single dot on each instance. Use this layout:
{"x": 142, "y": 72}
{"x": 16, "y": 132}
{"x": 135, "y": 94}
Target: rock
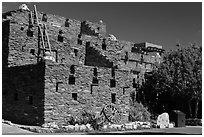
{"x": 129, "y": 126}
{"x": 89, "y": 127}
{"x": 105, "y": 127}
{"x": 171, "y": 125}
{"x": 24, "y": 7}
{"x": 112, "y": 37}
{"x": 82, "y": 127}
{"x": 76, "y": 127}
{"x": 134, "y": 126}
{"x": 163, "y": 120}
{"x": 70, "y": 128}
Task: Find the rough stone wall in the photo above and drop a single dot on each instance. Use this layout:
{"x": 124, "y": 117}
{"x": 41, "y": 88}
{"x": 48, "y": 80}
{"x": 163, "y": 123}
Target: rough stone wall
{"x": 48, "y": 82}
{"x": 96, "y": 97}
{"x": 23, "y": 94}
{"x": 93, "y": 29}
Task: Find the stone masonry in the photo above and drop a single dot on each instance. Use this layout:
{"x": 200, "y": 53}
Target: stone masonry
{"x": 89, "y": 71}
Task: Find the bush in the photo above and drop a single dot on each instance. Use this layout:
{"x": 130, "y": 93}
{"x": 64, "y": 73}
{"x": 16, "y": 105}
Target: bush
{"x": 85, "y": 117}
{"x": 138, "y": 112}
{"x": 194, "y": 122}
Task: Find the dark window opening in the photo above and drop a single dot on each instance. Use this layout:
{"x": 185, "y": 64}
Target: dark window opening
{"x": 95, "y": 72}
{"x": 32, "y": 51}
{"x": 30, "y": 100}
{"x": 62, "y": 60}
{"x": 67, "y": 23}
{"x": 22, "y": 28}
{"x": 142, "y": 59}
{"x": 112, "y": 83}
{"x": 113, "y": 72}
{"x": 16, "y": 96}
{"x": 113, "y": 98}
{"x": 60, "y": 38}
{"x": 103, "y": 46}
{"x": 72, "y": 69}
{"x": 126, "y": 57}
{"x": 71, "y": 80}
{"x": 95, "y": 80}
{"x": 44, "y": 18}
{"x": 79, "y": 42}
{"x": 88, "y": 43}
{"x": 76, "y": 52}
{"x": 98, "y": 28}
{"x": 134, "y": 85}
{"x": 79, "y": 36}
{"x": 74, "y": 96}
{"x": 30, "y": 32}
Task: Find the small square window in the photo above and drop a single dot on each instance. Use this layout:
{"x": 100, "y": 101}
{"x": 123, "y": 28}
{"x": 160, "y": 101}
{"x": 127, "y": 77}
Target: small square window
{"x": 74, "y": 96}
{"x": 32, "y": 51}
{"x": 112, "y": 83}
{"x": 79, "y": 42}
{"x": 71, "y": 80}
{"x": 95, "y": 80}
{"x": 113, "y": 98}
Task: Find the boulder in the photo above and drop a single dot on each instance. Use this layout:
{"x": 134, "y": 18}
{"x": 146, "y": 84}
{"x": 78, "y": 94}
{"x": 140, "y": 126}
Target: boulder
{"x": 82, "y": 127}
{"x": 163, "y": 120}
{"x": 76, "y": 127}
{"x": 24, "y": 7}
{"x": 112, "y": 37}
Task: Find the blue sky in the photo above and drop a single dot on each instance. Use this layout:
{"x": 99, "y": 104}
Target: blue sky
{"x": 160, "y": 23}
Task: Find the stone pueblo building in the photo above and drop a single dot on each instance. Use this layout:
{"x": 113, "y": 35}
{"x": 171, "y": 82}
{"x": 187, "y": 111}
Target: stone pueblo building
{"x": 54, "y": 67}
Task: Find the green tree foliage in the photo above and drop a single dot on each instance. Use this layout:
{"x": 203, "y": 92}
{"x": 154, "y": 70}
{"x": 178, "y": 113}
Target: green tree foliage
{"x": 178, "y": 77}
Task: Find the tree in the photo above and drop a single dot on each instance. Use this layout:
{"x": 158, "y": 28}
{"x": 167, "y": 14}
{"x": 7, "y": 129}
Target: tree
{"x": 179, "y": 76}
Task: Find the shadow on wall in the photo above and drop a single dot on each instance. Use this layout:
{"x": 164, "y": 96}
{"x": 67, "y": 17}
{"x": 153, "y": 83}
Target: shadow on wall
{"x": 93, "y": 57}
{"x": 22, "y": 88}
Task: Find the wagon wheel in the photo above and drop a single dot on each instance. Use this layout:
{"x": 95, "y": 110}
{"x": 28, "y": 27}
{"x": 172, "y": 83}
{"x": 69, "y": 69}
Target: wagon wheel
{"x": 112, "y": 114}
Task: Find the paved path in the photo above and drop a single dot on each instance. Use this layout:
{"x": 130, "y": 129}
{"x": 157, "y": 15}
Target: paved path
{"x": 11, "y": 130}
{"x": 190, "y": 130}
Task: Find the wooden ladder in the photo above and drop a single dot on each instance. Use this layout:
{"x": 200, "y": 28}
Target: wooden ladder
{"x": 42, "y": 33}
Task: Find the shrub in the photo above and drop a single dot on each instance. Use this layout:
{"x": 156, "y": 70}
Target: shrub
{"x": 138, "y": 112}
{"x": 85, "y": 117}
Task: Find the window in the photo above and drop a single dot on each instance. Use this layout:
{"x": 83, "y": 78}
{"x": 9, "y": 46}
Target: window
{"x": 103, "y": 46}
{"x": 60, "y": 38}
{"x": 30, "y": 32}
{"x": 74, "y": 96}
{"x": 113, "y": 72}
{"x": 112, "y": 83}
{"x": 67, "y": 23}
{"x": 134, "y": 85}
{"x": 95, "y": 80}
{"x": 30, "y": 100}
{"x": 76, "y": 52}
{"x": 32, "y": 51}
{"x": 88, "y": 43}
{"x": 79, "y": 42}
{"x": 71, "y": 80}
{"x": 72, "y": 69}
{"x": 79, "y": 36}
{"x": 113, "y": 98}
{"x": 16, "y": 96}
{"x": 95, "y": 72}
